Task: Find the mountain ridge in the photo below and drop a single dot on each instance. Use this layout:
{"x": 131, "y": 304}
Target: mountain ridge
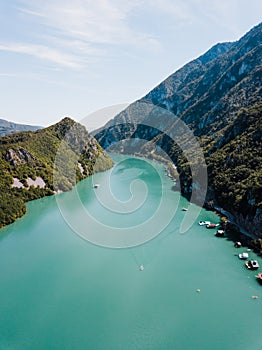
{"x": 209, "y": 94}
{"x": 8, "y": 127}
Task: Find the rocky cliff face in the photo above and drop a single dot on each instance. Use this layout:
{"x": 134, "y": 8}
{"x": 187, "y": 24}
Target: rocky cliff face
{"x": 208, "y": 92}
{"x": 19, "y": 156}
{"x": 218, "y": 96}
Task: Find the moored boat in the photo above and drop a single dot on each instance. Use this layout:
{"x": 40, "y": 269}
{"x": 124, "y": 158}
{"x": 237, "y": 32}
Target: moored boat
{"x": 211, "y": 225}
{"x": 203, "y": 223}
{"x": 237, "y": 245}
{"x": 252, "y": 264}
{"x": 259, "y": 277}
{"x": 220, "y": 233}
{"x": 243, "y": 256}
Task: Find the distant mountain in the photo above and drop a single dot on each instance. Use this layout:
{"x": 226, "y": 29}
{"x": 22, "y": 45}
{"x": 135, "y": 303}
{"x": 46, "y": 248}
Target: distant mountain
{"x": 219, "y": 97}
{"x": 7, "y": 128}
{"x": 44, "y": 162}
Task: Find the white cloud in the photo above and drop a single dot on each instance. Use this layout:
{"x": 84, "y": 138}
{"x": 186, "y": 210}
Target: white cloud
{"x": 95, "y": 22}
{"x": 73, "y": 33}
{"x": 9, "y": 75}
{"x": 44, "y": 53}
{"x": 81, "y": 30}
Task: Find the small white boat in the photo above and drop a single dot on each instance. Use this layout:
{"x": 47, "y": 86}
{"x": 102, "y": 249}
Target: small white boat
{"x": 220, "y": 233}
{"x": 184, "y": 209}
{"x": 243, "y": 256}
{"x": 141, "y": 268}
{"x": 96, "y": 185}
{"x": 203, "y": 223}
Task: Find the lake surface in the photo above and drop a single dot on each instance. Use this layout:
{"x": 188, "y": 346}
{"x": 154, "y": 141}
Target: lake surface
{"x": 60, "y": 291}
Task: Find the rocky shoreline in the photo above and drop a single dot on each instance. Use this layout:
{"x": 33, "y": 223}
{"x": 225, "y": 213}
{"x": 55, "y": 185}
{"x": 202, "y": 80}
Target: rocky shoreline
{"x": 239, "y": 233}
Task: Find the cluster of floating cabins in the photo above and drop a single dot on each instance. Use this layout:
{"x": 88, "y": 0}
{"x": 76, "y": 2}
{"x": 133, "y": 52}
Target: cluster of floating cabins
{"x": 250, "y": 264}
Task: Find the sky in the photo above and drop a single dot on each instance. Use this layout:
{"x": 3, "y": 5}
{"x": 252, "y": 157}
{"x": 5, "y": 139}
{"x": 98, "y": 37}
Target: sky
{"x": 75, "y": 57}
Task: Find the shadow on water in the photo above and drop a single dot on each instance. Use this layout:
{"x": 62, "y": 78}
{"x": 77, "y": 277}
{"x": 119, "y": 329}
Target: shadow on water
{"x": 246, "y": 242}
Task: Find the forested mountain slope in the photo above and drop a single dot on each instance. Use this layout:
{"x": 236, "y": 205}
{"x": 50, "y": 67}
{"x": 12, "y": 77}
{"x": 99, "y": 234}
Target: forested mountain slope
{"x": 30, "y": 161}
{"x": 218, "y": 96}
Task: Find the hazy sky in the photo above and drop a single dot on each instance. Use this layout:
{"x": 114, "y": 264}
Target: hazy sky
{"x": 73, "y": 57}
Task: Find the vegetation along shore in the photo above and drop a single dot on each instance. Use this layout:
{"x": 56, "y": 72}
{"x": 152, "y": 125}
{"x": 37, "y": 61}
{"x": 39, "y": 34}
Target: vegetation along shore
{"x": 27, "y": 164}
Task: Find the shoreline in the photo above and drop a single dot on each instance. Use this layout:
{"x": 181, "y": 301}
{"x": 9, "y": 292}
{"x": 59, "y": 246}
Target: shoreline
{"x": 54, "y": 193}
{"x": 231, "y": 220}
{"x": 216, "y": 209}
{"x": 249, "y": 237}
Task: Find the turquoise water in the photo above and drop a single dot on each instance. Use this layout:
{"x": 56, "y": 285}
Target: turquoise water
{"x": 59, "y": 291}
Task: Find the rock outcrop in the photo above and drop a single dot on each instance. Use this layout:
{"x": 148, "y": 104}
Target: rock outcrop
{"x": 20, "y": 156}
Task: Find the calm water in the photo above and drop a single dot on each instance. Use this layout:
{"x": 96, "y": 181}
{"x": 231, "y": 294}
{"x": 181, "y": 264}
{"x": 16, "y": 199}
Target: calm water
{"x": 59, "y": 291}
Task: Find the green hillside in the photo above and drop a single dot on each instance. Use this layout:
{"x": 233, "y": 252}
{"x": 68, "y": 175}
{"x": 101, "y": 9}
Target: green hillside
{"x": 235, "y": 166}
{"x": 65, "y": 150}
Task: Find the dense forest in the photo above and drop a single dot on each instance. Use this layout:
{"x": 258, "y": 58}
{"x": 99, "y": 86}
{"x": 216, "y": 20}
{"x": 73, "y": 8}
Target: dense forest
{"x": 234, "y": 165}
{"x": 235, "y": 169}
